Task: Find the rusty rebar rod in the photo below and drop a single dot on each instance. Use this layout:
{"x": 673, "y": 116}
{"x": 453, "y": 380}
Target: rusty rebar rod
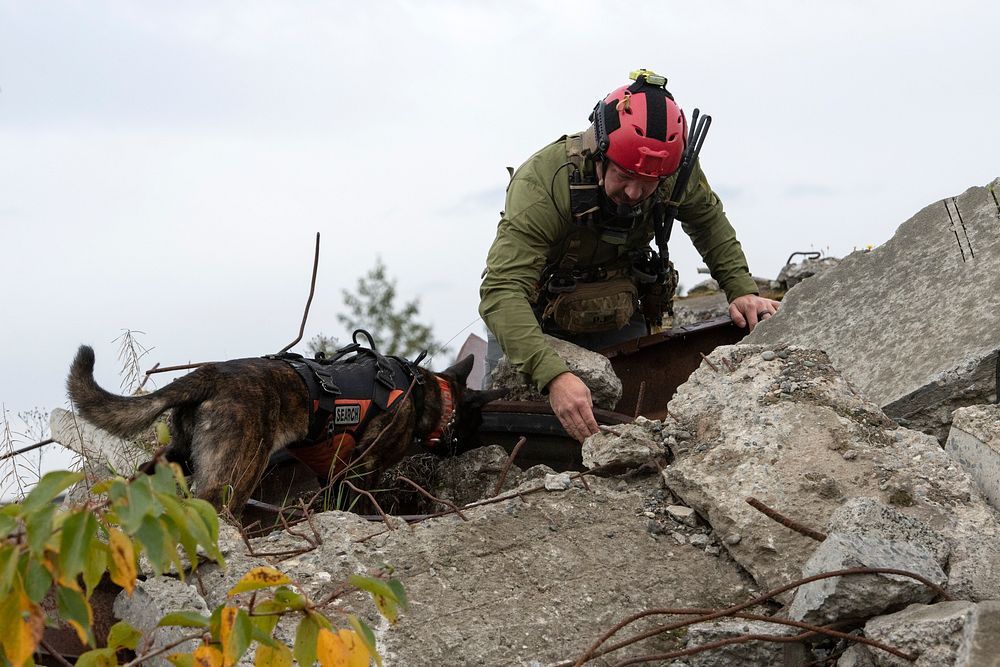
{"x": 426, "y": 494}
{"x": 24, "y": 450}
{"x": 592, "y": 650}
{"x": 709, "y": 362}
{"x": 312, "y": 290}
{"x": 507, "y": 464}
{"x": 640, "y": 398}
{"x": 378, "y": 508}
{"x": 774, "y": 515}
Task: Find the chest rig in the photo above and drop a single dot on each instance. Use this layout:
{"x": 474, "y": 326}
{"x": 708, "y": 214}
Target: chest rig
{"x": 579, "y": 295}
{"x": 347, "y": 391}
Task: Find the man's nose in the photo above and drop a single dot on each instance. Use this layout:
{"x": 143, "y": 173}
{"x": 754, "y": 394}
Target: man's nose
{"x": 633, "y": 190}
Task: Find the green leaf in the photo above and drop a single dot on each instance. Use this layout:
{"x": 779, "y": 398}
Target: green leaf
{"x": 39, "y": 527}
{"x": 305, "y": 640}
{"x": 77, "y": 532}
{"x": 290, "y": 598}
{"x": 208, "y": 516}
{"x": 385, "y": 596}
{"x": 96, "y": 564}
{"x": 155, "y": 539}
{"x": 397, "y": 588}
{"x": 265, "y": 615}
{"x": 49, "y": 486}
{"x": 73, "y": 607}
{"x": 37, "y": 579}
{"x": 101, "y": 487}
{"x": 123, "y": 635}
{"x": 118, "y": 490}
{"x": 7, "y": 525}
{"x": 138, "y": 504}
{"x": 181, "y": 659}
{"x": 178, "y": 519}
{"x": 236, "y": 634}
{"x": 9, "y": 555}
{"x": 184, "y": 619}
{"x": 163, "y": 480}
{"x": 204, "y": 525}
{"x": 99, "y": 657}
{"x": 367, "y": 636}
{"x": 262, "y": 637}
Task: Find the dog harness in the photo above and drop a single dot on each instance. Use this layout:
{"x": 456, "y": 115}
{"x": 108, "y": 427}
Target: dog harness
{"x": 350, "y": 389}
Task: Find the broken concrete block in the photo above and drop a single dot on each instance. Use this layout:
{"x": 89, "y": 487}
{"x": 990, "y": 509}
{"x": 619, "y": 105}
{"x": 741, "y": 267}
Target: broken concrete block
{"x": 593, "y": 368}
{"x": 748, "y": 654}
{"x": 981, "y": 637}
{"x": 930, "y": 632}
{"x": 974, "y": 441}
{"x": 870, "y": 313}
{"x": 749, "y": 440}
{"x": 868, "y": 516}
{"x": 864, "y": 595}
{"x": 558, "y": 481}
{"x": 103, "y": 453}
{"x": 857, "y": 655}
{"x": 620, "y": 447}
{"x": 684, "y": 515}
{"x": 792, "y": 274}
{"x": 150, "y": 601}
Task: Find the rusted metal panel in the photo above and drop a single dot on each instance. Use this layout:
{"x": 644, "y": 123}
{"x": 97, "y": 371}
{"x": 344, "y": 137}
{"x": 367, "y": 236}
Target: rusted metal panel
{"x": 654, "y": 366}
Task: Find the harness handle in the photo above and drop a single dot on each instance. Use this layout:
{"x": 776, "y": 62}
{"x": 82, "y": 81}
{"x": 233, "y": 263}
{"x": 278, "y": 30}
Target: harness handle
{"x": 371, "y": 341}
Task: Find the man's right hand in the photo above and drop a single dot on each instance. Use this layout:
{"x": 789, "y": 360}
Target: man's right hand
{"x": 572, "y": 404}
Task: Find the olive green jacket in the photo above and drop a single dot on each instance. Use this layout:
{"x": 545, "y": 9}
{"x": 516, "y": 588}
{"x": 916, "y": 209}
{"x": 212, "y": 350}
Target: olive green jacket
{"x": 533, "y": 229}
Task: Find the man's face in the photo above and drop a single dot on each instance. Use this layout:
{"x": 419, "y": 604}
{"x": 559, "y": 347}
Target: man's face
{"x": 626, "y": 188}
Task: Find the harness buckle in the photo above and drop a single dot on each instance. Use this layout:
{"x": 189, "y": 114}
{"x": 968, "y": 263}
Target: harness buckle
{"x": 558, "y": 284}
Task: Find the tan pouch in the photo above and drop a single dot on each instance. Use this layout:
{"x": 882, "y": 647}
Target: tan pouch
{"x": 597, "y": 306}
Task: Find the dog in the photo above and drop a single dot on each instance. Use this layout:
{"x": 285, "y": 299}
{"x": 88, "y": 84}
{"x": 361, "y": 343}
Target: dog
{"x": 228, "y": 418}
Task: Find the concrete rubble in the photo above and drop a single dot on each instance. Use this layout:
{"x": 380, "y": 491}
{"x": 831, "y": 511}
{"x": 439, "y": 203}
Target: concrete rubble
{"x": 593, "y": 368}
{"x": 533, "y": 576}
{"x": 912, "y": 324}
{"x": 974, "y": 441}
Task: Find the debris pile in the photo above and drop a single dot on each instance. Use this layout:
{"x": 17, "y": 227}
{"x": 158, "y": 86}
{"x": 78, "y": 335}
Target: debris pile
{"x": 778, "y": 516}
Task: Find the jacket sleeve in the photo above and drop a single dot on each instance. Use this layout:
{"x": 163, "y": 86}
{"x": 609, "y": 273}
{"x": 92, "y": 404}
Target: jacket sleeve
{"x": 529, "y": 228}
{"x": 704, "y": 220}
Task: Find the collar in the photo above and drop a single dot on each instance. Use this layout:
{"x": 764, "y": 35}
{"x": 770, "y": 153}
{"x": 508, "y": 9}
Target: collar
{"x": 447, "y": 421}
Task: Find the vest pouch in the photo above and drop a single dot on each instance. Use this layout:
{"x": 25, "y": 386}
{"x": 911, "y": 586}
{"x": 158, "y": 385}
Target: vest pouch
{"x": 596, "y": 306}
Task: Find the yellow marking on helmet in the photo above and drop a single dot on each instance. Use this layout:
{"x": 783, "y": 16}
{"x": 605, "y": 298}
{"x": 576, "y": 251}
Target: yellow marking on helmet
{"x": 624, "y": 104}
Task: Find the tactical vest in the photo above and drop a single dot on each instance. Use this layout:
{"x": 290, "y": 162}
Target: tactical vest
{"x": 346, "y": 393}
{"x": 578, "y": 296}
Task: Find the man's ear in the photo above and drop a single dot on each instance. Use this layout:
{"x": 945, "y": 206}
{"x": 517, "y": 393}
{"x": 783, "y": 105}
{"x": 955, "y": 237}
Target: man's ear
{"x": 461, "y": 369}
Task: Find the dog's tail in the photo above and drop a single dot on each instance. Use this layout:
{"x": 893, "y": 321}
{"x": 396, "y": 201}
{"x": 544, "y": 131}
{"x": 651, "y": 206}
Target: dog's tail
{"x": 123, "y": 415}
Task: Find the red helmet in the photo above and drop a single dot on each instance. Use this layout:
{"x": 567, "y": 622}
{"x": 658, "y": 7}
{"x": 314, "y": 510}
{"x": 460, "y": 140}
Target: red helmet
{"x": 641, "y": 129}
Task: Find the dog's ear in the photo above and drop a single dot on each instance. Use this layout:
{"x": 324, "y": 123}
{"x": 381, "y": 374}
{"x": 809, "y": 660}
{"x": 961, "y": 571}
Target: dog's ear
{"x": 473, "y": 398}
{"x": 461, "y": 369}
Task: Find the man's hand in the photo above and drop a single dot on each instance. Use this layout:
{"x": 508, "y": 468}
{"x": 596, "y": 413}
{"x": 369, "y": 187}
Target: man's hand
{"x": 571, "y": 401}
{"x": 749, "y": 309}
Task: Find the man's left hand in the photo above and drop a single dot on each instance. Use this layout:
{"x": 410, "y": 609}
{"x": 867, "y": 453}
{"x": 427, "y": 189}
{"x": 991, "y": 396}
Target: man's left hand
{"x": 749, "y": 309}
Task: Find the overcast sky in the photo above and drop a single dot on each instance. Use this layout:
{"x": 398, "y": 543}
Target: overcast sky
{"x": 164, "y": 166}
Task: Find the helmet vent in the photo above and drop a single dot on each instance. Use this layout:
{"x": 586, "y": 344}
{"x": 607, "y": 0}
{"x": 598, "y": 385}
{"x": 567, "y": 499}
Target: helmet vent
{"x": 638, "y": 130}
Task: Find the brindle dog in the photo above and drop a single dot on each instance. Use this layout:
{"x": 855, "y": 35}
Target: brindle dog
{"x": 229, "y": 417}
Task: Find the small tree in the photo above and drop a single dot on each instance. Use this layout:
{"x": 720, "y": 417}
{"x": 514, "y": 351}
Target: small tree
{"x": 372, "y": 307}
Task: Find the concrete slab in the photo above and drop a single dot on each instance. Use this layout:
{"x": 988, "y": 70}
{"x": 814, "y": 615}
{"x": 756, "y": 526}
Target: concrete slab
{"x": 974, "y": 441}
{"x": 913, "y": 323}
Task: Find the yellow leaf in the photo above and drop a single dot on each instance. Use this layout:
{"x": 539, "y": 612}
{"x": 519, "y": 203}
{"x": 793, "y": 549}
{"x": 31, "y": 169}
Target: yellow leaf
{"x": 226, "y": 622}
{"x": 341, "y": 649}
{"x": 122, "y": 566}
{"x": 259, "y": 577}
{"x": 162, "y": 433}
{"x": 357, "y": 652}
{"x": 331, "y": 650}
{"x": 207, "y": 656}
{"x": 279, "y": 656}
{"x": 23, "y": 624}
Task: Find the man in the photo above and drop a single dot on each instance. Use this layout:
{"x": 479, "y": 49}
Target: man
{"x": 572, "y": 258}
